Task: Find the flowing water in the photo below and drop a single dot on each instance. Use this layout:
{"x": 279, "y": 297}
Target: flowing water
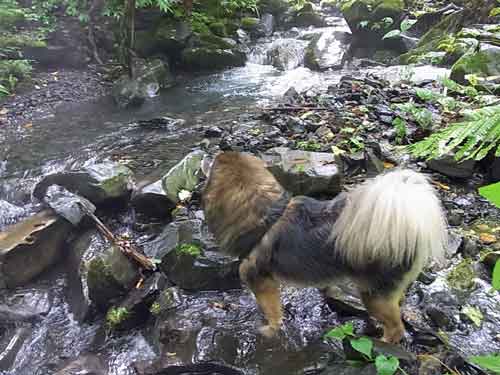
{"x": 82, "y": 133}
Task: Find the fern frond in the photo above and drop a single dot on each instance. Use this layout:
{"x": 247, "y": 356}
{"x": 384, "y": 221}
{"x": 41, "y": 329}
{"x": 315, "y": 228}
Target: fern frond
{"x": 472, "y": 138}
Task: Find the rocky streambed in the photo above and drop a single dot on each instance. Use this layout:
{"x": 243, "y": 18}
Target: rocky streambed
{"x": 72, "y": 303}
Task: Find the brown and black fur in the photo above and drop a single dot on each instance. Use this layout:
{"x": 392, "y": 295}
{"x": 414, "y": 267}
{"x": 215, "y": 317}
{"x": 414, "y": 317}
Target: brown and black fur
{"x": 288, "y": 240}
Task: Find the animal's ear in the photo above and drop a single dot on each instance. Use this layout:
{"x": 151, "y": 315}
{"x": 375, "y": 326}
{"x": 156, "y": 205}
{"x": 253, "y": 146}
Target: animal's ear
{"x": 206, "y": 164}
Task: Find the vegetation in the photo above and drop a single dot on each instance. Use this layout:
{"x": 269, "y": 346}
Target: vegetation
{"x": 115, "y": 316}
{"x": 189, "y": 249}
{"x": 364, "y": 345}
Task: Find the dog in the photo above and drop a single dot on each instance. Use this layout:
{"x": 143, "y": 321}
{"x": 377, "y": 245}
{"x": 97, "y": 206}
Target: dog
{"x": 380, "y": 235}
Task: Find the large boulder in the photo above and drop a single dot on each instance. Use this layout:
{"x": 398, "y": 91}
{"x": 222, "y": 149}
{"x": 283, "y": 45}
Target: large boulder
{"x": 366, "y": 18}
{"x": 286, "y": 54}
{"x": 211, "y": 58}
{"x": 326, "y": 51}
{"x": 450, "y": 167}
{"x": 152, "y": 201}
{"x": 98, "y": 182}
{"x": 30, "y": 247}
{"x": 303, "y": 172}
{"x": 485, "y": 61}
{"x": 149, "y": 77}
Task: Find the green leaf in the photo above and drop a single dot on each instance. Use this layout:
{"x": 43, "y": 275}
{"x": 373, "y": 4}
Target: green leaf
{"x": 386, "y": 366}
{"x": 363, "y": 345}
{"x": 407, "y": 24}
{"x": 473, "y": 314}
{"x": 491, "y": 193}
{"x": 496, "y": 276}
{"x": 392, "y": 34}
{"x": 488, "y": 362}
{"x": 426, "y": 94}
{"x": 341, "y": 332}
{"x": 495, "y": 12}
{"x": 363, "y": 24}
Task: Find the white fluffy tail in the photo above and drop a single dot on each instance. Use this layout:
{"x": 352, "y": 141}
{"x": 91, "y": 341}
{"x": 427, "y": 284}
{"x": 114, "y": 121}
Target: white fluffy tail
{"x": 395, "y": 218}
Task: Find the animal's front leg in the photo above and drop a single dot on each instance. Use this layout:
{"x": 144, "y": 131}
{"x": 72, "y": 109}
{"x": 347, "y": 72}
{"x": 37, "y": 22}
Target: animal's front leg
{"x": 267, "y": 292}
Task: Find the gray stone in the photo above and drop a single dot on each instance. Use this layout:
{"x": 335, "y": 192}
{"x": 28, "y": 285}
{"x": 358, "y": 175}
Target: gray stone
{"x": 152, "y": 201}
{"x": 286, "y": 54}
{"x": 97, "y": 183}
{"x": 70, "y": 206}
{"x": 483, "y": 62}
{"x": 303, "y": 172}
{"x": 9, "y": 213}
{"x": 109, "y": 277}
{"x": 450, "y": 167}
{"x": 149, "y": 77}
{"x": 185, "y": 175}
{"x": 89, "y": 364}
{"x": 326, "y": 51}
{"x": 30, "y": 247}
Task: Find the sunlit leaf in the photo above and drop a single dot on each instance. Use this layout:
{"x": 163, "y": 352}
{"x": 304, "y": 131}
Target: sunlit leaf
{"x": 386, "y": 366}
{"x": 363, "y": 345}
{"x": 392, "y": 34}
{"x": 488, "y": 362}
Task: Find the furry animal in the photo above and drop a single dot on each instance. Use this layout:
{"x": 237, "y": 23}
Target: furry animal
{"x": 380, "y": 235}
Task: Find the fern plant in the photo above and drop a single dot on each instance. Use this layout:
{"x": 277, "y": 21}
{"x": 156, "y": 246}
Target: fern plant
{"x": 472, "y": 138}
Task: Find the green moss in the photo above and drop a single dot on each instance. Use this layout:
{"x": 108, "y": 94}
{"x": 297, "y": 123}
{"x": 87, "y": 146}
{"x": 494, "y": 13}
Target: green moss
{"x": 249, "y": 23}
{"x": 155, "y": 308}
{"x": 462, "y": 276}
{"x": 434, "y": 37}
{"x": 20, "y": 40}
{"x": 10, "y": 16}
{"x": 189, "y": 249}
{"x": 218, "y": 28}
{"x": 210, "y": 59}
{"x": 213, "y": 41}
{"x": 479, "y": 63}
{"x": 116, "y": 316}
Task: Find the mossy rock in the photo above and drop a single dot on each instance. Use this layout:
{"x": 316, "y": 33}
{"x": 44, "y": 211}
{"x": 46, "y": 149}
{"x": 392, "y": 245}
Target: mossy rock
{"x": 10, "y": 17}
{"x": 434, "y": 37}
{"x": 109, "y": 277}
{"x": 462, "y": 276}
{"x": 218, "y": 28}
{"x": 388, "y": 8}
{"x": 275, "y": 7}
{"x": 212, "y": 41}
{"x": 203, "y": 58}
{"x": 483, "y": 62}
{"x": 371, "y": 11}
{"x": 20, "y": 40}
{"x": 249, "y": 23}
{"x": 310, "y": 18}
{"x": 172, "y": 36}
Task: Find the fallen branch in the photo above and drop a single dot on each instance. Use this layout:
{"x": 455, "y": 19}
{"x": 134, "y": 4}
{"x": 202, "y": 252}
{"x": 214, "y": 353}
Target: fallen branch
{"x": 126, "y": 247}
{"x": 298, "y": 109}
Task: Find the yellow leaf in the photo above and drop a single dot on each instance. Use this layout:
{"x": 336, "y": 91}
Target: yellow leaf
{"x": 388, "y": 165}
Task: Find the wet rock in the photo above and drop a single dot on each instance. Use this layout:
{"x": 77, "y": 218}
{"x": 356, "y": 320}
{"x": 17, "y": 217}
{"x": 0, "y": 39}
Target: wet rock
{"x": 345, "y": 301}
{"x": 82, "y": 250}
{"x": 12, "y": 339}
{"x": 185, "y": 175}
{"x": 152, "y": 201}
{"x": 214, "y": 132}
{"x": 358, "y": 11}
{"x": 441, "y": 318}
{"x": 9, "y": 213}
{"x": 211, "y": 58}
{"x": 454, "y": 244}
{"x": 98, "y": 182}
{"x": 242, "y": 36}
{"x": 303, "y": 172}
{"x": 191, "y": 268}
{"x": 162, "y": 123}
{"x": 181, "y": 231}
{"x": 138, "y": 306}
{"x": 70, "y": 206}
{"x": 449, "y": 166}
{"x": 275, "y": 7}
{"x": 172, "y": 37}
{"x": 469, "y": 247}
{"x": 30, "y": 247}
{"x": 267, "y": 23}
{"x": 109, "y": 277}
{"x": 326, "y": 51}
{"x": 89, "y": 364}
{"x": 343, "y": 369}
{"x": 483, "y": 62}
{"x": 149, "y": 77}
{"x": 307, "y": 16}
{"x": 286, "y": 54}
{"x": 221, "y": 327}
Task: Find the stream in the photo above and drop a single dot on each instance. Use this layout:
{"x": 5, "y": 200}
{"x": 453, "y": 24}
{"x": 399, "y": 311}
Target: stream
{"x": 79, "y": 134}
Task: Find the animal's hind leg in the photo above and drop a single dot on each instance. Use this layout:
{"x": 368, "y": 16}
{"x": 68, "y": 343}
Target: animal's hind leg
{"x": 267, "y": 292}
{"x": 386, "y": 309}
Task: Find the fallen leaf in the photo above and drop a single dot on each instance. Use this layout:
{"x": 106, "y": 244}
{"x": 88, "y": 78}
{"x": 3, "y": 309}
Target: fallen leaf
{"x": 29, "y": 125}
{"x": 388, "y": 165}
{"x": 487, "y": 238}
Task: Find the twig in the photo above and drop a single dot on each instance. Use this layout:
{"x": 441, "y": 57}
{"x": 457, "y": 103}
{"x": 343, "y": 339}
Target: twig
{"x": 298, "y": 109}
{"x": 127, "y": 248}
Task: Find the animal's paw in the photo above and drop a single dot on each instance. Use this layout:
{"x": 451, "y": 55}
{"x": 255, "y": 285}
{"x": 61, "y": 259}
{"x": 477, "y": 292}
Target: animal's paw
{"x": 269, "y": 331}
